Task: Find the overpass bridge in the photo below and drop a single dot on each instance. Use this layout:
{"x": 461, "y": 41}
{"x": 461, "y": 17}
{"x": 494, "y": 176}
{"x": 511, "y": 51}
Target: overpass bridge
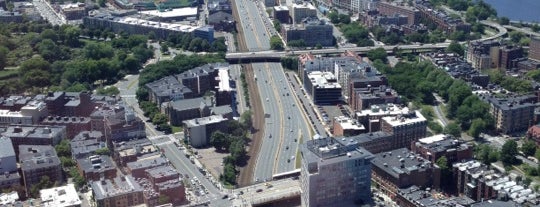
{"x": 275, "y": 56}
{"x": 267, "y": 192}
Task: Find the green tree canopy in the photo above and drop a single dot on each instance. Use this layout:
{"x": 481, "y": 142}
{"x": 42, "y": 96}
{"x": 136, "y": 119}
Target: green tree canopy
{"x": 528, "y": 148}
{"x": 453, "y": 129}
{"x": 508, "y": 152}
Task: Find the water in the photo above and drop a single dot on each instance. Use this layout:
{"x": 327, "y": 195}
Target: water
{"x": 517, "y": 10}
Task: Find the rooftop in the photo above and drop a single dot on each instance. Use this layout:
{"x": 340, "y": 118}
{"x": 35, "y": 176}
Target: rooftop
{"x": 383, "y": 110}
{"x": 179, "y": 12}
{"x": 145, "y": 23}
{"x": 6, "y": 148}
{"x": 348, "y": 123}
{"x": 440, "y": 143}
{"x": 9, "y": 198}
{"x": 162, "y": 171}
{"x": 224, "y": 79}
{"x": 205, "y": 120}
{"x": 45, "y": 132}
{"x": 400, "y": 161}
{"x": 404, "y": 119}
{"x": 330, "y": 151}
{"x": 323, "y": 79}
{"x": 37, "y": 156}
{"x": 147, "y": 163}
{"x": 96, "y": 163}
{"x": 60, "y": 196}
{"x": 114, "y": 187}
{"x": 192, "y": 103}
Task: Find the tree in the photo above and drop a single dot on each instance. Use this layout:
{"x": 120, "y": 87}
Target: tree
{"x": 229, "y": 173}
{"x": 3, "y": 57}
{"x": 486, "y": 154}
{"x": 277, "y": 25}
{"x": 67, "y": 162}
{"x": 528, "y": 148}
{"x": 246, "y": 119}
{"x": 377, "y": 54}
{"x": 63, "y": 148}
{"x": 164, "y": 48}
{"x": 238, "y": 149}
{"x": 164, "y": 199}
{"x": 455, "y": 47}
{"x": 103, "y": 151}
{"x": 34, "y": 63}
{"x": 508, "y": 153}
{"x": 276, "y": 43}
{"x": 453, "y": 129}
{"x": 219, "y": 140}
{"x": 159, "y": 119}
{"x": 477, "y": 126}
{"x": 504, "y": 20}
{"x": 446, "y": 171}
{"x": 109, "y": 91}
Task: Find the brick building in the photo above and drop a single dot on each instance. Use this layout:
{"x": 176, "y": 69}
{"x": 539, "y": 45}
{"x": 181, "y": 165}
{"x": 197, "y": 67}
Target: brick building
{"x": 34, "y": 135}
{"x": 74, "y": 125}
{"x": 96, "y": 167}
{"x": 122, "y": 191}
{"x": 434, "y": 147}
{"x": 400, "y": 168}
{"x": 406, "y": 128}
{"x": 37, "y": 161}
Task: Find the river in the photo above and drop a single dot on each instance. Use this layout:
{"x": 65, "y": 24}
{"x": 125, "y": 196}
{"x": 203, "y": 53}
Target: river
{"x": 517, "y": 10}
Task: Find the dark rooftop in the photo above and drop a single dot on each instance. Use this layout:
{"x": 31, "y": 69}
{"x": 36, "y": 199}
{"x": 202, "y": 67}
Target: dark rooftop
{"x": 400, "y": 161}
{"x": 37, "y": 156}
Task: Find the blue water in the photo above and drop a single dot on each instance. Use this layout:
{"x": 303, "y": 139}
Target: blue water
{"x": 518, "y": 10}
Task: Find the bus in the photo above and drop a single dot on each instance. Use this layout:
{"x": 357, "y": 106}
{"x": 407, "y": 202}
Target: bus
{"x": 291, "y": 174}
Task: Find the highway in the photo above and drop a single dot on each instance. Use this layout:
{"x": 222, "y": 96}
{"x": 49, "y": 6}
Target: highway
{"x": 522, "y": 30}
{"x": 307, "y": 106}
{"x": 285, "y": 122}
{"x": 255, "y": 32}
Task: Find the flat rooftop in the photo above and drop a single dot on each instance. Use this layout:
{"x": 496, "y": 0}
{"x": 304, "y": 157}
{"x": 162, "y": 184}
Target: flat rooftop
{"x": 383, "y": 109}
{"x": 348, "y": 123}
{"x": 400, "y": 161}
{"x": 205, "y": 120}
{"x": 323, "y": 79}
{"x": 223, "y": 75}
{"x": 115, "y": 187}
{"x": 60, "y": 196}
{"x": 404, "y": 119}
{"x": 179, "y": 12}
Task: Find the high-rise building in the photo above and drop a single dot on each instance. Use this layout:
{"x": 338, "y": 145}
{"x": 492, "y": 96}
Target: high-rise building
{"x": 334, "y": 174}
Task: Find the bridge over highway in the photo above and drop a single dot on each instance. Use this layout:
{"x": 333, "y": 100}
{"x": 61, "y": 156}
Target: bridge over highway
{"x": 271, "y": 55}
{"x": 268, "y": 192}
{"x": 274, "y": 56}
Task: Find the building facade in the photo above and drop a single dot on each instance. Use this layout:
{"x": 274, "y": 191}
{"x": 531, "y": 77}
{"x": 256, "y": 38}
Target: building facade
{"x": 333, "y": 174}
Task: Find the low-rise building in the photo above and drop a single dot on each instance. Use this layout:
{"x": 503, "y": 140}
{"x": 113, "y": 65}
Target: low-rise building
{"x": 222, "y": 21}
{"x": 345, "y": 126}
{"x": 400, "y": 168}
{"x": 73, "y": 125}
{"x": 117, "y": 123}
{"x": 86, "y": 143}
{"x": 312, "y": 31}
{"x": 198, "y": 131}
{"x": 63, "y": 196}
{"x": 9, "y": 175}
{"x": 323, "y": 87}
{"x": 512, "y": 114}
{"x": 281, "y": 13}
{"x": 96, "y": 167}
{"x": 298, "y": 12}
{"x": 74, "y": 11}
{"x": 38, "y": 161}
{"x": 122, "y": 191}
{"x": 371, "y": 117}
{"x": 364, "y": 98}
{"x": 479, "y": 182}
{"x": 434, "y": 147}
{"x": 130, "y": 151}
{"x": 137, "y": 168}
{"x": 415, "y": 197}
{"x": 374, "y": 142}
{"x": 333, "y": 174}
{"x": 167, "y": 89}
{"x": 406, "y": 128}
{"x": 181, "y": 110}
{"x": 34, "y": 135}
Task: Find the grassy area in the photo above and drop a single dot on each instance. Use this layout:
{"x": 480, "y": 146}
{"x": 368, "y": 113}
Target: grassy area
{"x": 7, "y": 74}
{"x": 176, "y": 129}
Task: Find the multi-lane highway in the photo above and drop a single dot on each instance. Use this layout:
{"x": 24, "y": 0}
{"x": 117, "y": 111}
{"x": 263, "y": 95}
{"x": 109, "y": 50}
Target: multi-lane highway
{"x": 286, "y": 125}
{"x": 255, "y": 32}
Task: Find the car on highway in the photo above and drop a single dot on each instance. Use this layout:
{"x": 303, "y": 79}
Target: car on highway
{"x": 259, "y": 190}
